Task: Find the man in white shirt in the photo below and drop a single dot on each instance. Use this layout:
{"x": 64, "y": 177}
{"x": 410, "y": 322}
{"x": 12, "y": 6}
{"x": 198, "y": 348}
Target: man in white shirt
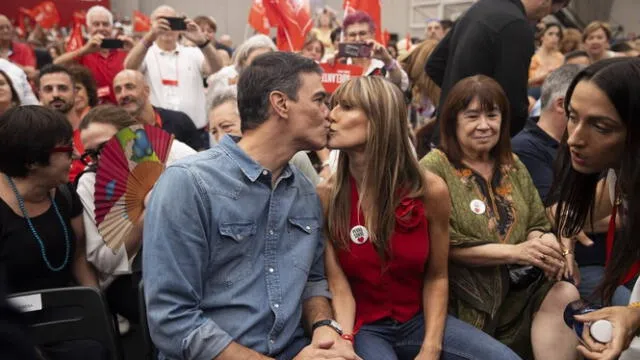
{"x": 175, "y": 73}
{"x": 20, "y": 83}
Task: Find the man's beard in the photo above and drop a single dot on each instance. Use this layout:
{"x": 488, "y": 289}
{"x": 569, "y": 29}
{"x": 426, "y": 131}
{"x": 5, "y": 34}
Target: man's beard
{"x": 64, "y": 109}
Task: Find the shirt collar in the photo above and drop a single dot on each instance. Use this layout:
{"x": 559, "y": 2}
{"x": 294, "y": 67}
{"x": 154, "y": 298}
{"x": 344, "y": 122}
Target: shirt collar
{"x": 162, "y": 52}
{"x": 251, "y": 169}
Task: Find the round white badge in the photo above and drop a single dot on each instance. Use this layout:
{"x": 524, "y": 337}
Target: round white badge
{"x": 359, "y": 234}
{"x": 478, "y": 207}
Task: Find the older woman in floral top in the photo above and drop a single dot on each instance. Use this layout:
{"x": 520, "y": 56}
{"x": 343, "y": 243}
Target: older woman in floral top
{"x": 505, "y": 264}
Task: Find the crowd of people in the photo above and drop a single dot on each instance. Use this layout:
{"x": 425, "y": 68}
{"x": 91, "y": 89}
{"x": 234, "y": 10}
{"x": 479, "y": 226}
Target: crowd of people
{"x": 448, "y": 203}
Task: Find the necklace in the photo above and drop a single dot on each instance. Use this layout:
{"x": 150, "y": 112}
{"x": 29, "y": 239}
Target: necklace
{"x": 35, "y": 233}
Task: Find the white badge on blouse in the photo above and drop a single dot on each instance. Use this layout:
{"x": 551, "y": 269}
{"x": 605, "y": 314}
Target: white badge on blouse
{"x": 359, "y": 234}
{"x": 478, "y": 207}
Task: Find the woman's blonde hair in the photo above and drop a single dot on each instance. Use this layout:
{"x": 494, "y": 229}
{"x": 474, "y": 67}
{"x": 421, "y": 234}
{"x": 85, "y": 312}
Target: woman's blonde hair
{"x": 392, "y": 171}
{"x": 414, "y": 65}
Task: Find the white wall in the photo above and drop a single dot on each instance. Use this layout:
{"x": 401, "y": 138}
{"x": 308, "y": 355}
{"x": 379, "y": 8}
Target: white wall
{"x": 627, "y": 14}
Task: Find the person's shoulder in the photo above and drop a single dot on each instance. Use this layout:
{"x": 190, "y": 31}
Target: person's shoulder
{"x": 437, "y": 189}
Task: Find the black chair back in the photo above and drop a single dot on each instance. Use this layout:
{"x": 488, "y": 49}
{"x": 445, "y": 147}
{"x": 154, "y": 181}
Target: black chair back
{"x": 70, "y": 313}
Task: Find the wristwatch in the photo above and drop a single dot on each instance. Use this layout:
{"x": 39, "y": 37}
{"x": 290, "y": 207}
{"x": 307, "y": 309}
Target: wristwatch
{"x": 331, "y": 323}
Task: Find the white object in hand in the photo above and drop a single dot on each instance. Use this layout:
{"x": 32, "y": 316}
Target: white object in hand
{"x": 601, "y": 331}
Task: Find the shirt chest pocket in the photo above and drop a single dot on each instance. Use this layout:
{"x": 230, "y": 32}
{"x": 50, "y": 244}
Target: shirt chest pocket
{"x": 232, "y": 257}
{"x": 303, "y": 241}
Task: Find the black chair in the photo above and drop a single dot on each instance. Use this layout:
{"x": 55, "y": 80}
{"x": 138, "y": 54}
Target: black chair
{"x": 150, "y": 351}
{"x": 65, "y": 314}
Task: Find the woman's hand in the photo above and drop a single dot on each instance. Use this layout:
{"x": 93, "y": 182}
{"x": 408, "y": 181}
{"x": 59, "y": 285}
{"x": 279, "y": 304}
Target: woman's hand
{"x": 541, "y": 251}
{"x": 625, "y": 321}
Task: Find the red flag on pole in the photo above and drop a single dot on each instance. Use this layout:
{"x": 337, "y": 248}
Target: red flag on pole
{"x": 46, "y": 14}
{"x": 258, "y": 18}
{"x": 75, "y": 40}
{"x": 386, "y": 37}
{"x": 79, "y": 17}
{"x": 293, "y": 20}
{"x": 141, "y": 22}
{"x": 371, "y": 7}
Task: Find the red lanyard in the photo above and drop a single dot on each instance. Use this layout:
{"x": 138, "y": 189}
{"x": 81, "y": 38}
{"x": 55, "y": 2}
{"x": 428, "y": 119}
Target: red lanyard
{"x": 168, "y": 82}
{"x": 158, "y": 119}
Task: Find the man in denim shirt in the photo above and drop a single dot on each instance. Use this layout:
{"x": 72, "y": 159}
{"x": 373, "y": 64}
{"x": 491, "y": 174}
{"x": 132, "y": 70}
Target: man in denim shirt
{"x": 233, "y": 246}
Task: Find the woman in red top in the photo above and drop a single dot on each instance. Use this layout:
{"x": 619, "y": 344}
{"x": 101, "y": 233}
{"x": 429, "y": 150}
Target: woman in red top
{"x": 388, "y": 228}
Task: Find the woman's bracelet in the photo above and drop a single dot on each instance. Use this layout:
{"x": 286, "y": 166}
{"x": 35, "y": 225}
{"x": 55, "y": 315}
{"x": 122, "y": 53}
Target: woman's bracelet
{"x": 635, "y": 305}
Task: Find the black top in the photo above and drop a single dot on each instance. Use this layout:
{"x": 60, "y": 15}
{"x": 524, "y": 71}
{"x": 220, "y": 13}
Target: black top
{"x": 492, "y": 38}
{"x": 20, "y": 253}
{"x": 537, "y": 150}
{"x": 180, "y": 125}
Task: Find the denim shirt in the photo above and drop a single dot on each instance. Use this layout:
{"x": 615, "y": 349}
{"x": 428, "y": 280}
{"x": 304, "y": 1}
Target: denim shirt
{"x": 226, "y": 257}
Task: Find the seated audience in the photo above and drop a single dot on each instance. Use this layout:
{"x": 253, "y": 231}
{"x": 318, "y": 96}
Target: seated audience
{"x": 505, "y": 262}
{"x": 114, "y": 266}
{"x": 132, "y": 94}
{"x": 233, "y": 262}
{"x": 86, "y": 90}
{"x": 173, "y": 72}
{"x": 8, "y": 95}
{"x": 18, "y": 53}
{"x": 224, "y": 118}
{"x": 548, "y": 56}
{"x": 103, "y": 63}
{"x": 388, "y": 236}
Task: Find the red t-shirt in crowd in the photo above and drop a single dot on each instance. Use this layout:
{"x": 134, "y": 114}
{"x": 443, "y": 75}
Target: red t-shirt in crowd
{"x": 22, "y": 54}
{"x": 391, "y": 289}
{"x": 104, "y": 69}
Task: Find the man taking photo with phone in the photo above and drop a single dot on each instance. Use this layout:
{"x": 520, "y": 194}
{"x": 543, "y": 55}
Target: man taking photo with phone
{"x": 175, "y": 72}
{"x": 102, "y": 54}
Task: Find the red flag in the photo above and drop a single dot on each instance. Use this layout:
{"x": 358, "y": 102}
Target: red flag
{"x": 75, "y": 40}
{"x": 408, "y": 40}
{"x": 258, "y": 18}
{"x": 293, "y": 21}
{"x": 46, "y": 14}
{"x": 79, "y": 17}
{"x": 371, "y": 7}
{"x": 141, "y": 22}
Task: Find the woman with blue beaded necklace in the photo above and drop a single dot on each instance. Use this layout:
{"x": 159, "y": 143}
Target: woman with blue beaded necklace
{"x": 41, "y": 230}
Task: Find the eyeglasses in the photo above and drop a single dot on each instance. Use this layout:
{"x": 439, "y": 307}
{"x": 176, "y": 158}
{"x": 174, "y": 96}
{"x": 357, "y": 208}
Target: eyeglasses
{"x": 63, "y": 149}
{"x": 91, "y": 156}
{"x": 354, "y": 35}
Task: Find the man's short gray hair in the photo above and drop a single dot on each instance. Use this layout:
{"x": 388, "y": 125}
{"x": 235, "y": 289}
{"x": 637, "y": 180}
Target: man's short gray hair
{"x": 557, "y": 83}
{"x": 96, "y": 10}
{"x": 243, "y": 51}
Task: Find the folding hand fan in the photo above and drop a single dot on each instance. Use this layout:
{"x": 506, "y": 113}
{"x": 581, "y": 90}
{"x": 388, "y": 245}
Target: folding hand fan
{"x": 130, "y": 164}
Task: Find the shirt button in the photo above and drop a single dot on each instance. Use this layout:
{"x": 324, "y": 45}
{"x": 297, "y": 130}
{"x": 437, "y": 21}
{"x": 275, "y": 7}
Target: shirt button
{"x": 272, "y": 341}
{"x": 308, "y": 228}
{"x": 270, "y": 270}
{"x": 276, "y": 305}
{"x": 270, "y": 232}
{"x": 265, "y": 172}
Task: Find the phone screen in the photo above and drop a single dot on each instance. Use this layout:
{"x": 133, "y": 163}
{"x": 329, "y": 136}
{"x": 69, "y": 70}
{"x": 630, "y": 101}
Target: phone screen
{"x": 354, "y": 50}
{"x": 112, "y": 44}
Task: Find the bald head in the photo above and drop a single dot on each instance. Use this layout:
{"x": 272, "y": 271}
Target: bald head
{"x": 6, "y": 29}
{"x": 131, "y": 91}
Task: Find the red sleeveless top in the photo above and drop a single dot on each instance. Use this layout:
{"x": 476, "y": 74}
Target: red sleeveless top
{"x": 391, "y": 289}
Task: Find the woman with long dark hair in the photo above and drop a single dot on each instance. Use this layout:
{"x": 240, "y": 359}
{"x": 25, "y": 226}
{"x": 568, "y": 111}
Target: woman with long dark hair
{"x": 602, "y": 103}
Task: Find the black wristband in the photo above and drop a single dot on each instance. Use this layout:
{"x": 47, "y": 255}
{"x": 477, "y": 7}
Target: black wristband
{"x": 204, "y": 44}
{"x": 330, "y": 323}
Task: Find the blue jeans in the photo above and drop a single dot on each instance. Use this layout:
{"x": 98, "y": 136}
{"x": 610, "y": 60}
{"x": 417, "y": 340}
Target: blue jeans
{"x": 388, "y": 339}
{"x": 590, "y": 277}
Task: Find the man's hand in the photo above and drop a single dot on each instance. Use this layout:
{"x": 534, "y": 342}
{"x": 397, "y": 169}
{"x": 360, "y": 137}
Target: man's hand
{"x": 378, "y": 51}
{"x": 93, "y": 45}
{"x": 193, "y": 33}
{"x": 328, "y": 349}
{"x": 429, "y": 353}
{"x": 158, "y": 27}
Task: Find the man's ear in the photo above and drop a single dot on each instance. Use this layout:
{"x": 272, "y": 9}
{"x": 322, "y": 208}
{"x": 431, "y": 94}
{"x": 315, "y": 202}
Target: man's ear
{"x": 278, "y": 102}
{"x": 558, "y": 105}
